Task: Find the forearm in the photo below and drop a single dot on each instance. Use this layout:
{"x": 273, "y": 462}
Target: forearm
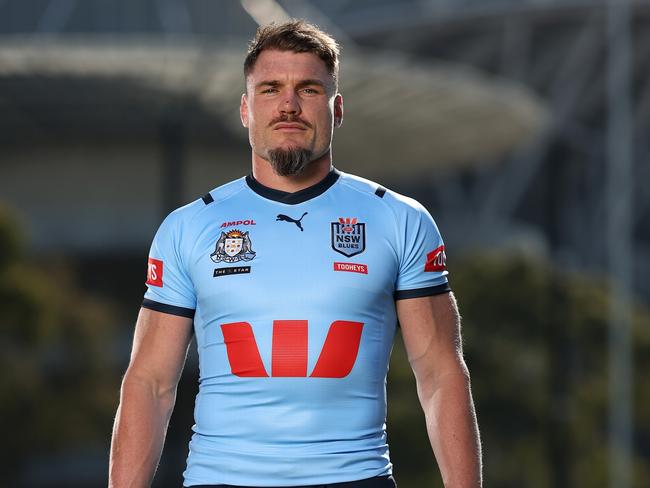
{"x": 452, "y": 428}
{"x": 139, "y": 432}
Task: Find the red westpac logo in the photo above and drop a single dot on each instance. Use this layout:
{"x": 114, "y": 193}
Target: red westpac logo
{"x": 289, "y": 349}
{"x": 436, "y": 260}
{"x": 155, "y": 272}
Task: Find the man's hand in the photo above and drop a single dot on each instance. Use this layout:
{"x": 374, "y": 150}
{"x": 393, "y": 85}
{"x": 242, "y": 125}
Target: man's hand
{"x": 431, "y": 331}
{"x": 147, "y": 397}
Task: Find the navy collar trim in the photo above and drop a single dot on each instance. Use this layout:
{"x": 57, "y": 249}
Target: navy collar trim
{"x": 299, "y": 196}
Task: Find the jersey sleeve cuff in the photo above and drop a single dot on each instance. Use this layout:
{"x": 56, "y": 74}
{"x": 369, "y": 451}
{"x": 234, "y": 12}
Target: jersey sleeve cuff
{"x": 170, "y": 309}
{"x": 422, "y": 292}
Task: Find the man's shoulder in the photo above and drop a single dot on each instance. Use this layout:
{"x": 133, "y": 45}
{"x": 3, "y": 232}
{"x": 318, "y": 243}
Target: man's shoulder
{"x": 388, "y": 197}
{"x": 222, "y": 193}
{"x": 211, "y": 199}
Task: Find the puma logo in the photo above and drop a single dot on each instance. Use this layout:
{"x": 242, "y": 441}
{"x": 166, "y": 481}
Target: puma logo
{"x": 286, "y": 218}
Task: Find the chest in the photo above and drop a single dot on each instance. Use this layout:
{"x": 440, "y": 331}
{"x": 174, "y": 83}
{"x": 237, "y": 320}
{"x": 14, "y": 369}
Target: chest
{"x": 284, "y": 258}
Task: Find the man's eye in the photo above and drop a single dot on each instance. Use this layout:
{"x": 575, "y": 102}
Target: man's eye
{"x": 310, "y": 91}
{"x": 270, "y": 90}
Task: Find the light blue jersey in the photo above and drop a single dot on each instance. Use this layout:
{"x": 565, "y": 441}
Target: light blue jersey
{"x": 293, "y": 299}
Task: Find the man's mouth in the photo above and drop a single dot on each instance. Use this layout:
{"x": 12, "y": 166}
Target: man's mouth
{"x": 288, "y": 127}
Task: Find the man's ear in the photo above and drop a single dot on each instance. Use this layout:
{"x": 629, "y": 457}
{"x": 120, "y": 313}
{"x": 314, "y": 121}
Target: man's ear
{"x": 243, "y": 110}
{"x": 338, "y": 110}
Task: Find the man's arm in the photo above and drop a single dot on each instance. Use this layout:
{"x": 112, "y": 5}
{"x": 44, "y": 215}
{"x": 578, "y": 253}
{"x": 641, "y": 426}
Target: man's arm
{"x": 147, "y": 397}
{"x": 431, "y": 331}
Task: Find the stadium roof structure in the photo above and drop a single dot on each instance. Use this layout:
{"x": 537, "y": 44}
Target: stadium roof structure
{"x": 126, "y": 67}
{"x": 399, "y": 113}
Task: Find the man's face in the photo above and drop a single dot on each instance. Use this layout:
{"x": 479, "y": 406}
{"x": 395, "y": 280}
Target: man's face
{"x": 290, "y": 104}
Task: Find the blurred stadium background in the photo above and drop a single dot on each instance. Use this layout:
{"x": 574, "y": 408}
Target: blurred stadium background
{"x": 522, "y": 125}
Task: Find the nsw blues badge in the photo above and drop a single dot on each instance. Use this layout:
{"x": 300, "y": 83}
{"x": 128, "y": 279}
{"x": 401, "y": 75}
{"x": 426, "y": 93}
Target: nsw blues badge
{"x": 348, "y": 236}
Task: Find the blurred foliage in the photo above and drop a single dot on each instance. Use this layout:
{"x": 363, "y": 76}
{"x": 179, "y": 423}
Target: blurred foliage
{"x": 11, "y": 241}
{"x": 57, "y": 388}
{"x": 535, "y": 340}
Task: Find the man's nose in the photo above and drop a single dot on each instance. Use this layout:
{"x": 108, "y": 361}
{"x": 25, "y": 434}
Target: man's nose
{"x": 289, "y": 104}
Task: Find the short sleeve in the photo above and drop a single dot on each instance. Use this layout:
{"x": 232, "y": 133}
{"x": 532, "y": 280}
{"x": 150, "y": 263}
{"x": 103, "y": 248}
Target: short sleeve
{"x": 422, "y": 267}
{"x": 169, "y": 286}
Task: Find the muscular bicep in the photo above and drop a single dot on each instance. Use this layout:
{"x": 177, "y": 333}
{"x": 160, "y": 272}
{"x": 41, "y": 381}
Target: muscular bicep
{"x": 160, "y": 346}
{"x": 431, "y": 332}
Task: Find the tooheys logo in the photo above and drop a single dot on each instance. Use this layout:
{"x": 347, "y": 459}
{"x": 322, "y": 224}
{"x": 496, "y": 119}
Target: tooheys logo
{"x": 436, "y": 260}
{"x": 289, "y": 353}
{"x": 155, "y": 272}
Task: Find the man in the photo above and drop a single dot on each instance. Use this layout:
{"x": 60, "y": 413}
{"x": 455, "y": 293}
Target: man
{"x": 293, "y": 280}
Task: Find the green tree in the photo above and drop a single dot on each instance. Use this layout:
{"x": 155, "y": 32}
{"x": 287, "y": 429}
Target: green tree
{"x": 535, "y": 341}
{"x": 57, "y": 387}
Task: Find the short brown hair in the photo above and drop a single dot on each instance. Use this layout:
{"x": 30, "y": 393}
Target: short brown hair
{"x": 297, "y": 36}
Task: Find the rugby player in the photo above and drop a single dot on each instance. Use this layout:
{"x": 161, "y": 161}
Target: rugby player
{"x": 294, "y": 280}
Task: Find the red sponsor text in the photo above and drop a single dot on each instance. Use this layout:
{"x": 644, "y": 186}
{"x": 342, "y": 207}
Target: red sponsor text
{"x": 238, "y": 222}
{"x": 155, "y": 272}
{"x": 436, "y": 260}
{"x": 351, "y": 267}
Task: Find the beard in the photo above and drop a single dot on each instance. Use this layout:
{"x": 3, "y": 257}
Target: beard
{"x": 289, "y": 162}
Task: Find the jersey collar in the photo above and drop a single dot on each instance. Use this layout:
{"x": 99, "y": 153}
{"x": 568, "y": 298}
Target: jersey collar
{"x": 295, "y": 197}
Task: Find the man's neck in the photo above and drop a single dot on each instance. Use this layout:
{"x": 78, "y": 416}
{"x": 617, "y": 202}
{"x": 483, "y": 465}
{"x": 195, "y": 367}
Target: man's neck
{"x": 315, "y": 172}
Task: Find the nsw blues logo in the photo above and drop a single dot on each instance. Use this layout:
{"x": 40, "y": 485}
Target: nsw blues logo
{"x": 348, "y": 236}
{"x": 233, "y": 246}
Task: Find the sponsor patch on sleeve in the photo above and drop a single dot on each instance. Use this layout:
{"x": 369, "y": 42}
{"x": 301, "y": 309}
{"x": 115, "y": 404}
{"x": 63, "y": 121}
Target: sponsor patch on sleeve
{"x": 155, "y": 272}
{"x": 436, "y": 260}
